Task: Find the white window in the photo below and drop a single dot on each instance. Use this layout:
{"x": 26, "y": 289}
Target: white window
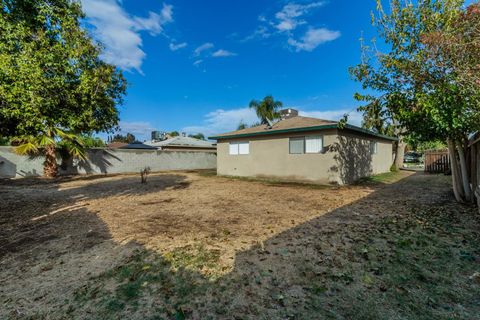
{"x": 233, "y": 148}
{"x": 243, "y": 148}
{"x": 236, "y": 148}
{"x": 373, "y": 147}
{"x": 308, "y": 144}
{"x": 313, "y": 144}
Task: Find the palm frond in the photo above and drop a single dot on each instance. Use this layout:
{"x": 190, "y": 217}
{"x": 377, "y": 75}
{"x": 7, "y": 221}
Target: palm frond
{"x": 45, "y": 140}
{"x": 26, "y": 147}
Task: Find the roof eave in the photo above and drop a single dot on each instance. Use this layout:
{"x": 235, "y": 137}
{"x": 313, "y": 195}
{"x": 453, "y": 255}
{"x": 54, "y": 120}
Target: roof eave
{"x": 304, "y": 129}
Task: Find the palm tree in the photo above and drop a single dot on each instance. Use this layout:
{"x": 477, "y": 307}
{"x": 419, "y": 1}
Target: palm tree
{"x": 267, "y": 109}
{"x": 46, "y": 143}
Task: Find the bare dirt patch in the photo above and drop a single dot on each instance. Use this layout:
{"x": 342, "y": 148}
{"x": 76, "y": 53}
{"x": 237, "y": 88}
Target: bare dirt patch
{"x": 197, "y": 246}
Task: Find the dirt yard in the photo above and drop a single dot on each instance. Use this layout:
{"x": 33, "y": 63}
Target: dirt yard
{"x": 190, "y": 245}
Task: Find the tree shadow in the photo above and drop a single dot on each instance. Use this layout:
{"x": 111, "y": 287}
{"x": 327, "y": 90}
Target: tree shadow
{"x": 98, "y": 161}
{"x": 313, "y": 270}
{"x": 353, "y": 159}
{"x": 39, "y": 212}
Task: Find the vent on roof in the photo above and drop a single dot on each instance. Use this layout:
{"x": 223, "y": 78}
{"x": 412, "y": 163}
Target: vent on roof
{"x": 288, "y": 113}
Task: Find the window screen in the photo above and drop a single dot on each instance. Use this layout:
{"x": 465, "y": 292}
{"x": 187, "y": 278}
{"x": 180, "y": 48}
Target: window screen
{"x": 233, "y": 148}
{"x": 313, "y": 144}
{"x": 243, "y": 148}
{"x": 297, "y": 145}
{"x": 373, "y": 147}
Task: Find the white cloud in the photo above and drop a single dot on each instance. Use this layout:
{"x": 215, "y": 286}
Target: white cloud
{"x": 289, "y": 18}
{"x": 313, "y": 38}
{"x": 286, "y": 24}
{"x": 177, "y": 46}
{"x": 220, "y": 121}
{"x": 197, "y": 62}
{"x": 202, "y": 48}
{"x": 354, "y": 117}
{"x": 223, "y": 53}
{"x": 120, "y": 32}
{"x": 140, "y": 129}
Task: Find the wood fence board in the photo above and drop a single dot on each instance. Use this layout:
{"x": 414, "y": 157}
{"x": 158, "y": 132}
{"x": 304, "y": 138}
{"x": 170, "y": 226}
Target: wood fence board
{"x": 437, "y": 161}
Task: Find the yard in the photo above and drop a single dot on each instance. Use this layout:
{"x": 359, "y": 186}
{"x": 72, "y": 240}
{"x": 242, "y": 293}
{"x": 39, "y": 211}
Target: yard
{"x": 191, "y": 245}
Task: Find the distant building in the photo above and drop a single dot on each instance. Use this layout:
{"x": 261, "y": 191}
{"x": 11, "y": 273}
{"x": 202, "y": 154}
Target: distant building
{"x": 183, "y": 143}
{"x": 138, "y": 145}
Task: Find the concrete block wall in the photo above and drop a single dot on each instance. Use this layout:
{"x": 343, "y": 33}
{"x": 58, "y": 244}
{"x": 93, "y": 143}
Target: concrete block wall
{"x": 108, "y": 161}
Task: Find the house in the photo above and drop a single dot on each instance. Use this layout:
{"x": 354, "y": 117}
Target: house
{"x": 304, "y": 149}
{"x": 182, "y": 143}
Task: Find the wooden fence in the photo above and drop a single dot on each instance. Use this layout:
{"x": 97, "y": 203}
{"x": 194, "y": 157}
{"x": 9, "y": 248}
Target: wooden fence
{"x": 437, "y": 161}
{"x": 473, "y": 161}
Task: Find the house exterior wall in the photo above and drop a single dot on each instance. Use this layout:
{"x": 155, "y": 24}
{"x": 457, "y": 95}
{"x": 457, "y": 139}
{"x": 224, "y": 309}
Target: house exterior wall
{"x": 346, "y": 158}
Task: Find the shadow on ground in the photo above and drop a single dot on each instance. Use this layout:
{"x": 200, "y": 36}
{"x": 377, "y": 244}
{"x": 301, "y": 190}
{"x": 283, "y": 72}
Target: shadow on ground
{"x": 406, "y": 251}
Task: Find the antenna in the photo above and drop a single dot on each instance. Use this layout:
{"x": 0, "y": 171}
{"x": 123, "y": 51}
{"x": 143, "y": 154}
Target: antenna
{"x": 270, "y": 123}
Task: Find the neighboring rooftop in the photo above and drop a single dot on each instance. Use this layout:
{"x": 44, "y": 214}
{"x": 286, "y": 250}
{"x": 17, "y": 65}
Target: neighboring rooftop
{"x": 294, "y": 124}
{"x": 138, "y": 145}
{"x": 180, "y": 141}
{"x": 116, "y": 144}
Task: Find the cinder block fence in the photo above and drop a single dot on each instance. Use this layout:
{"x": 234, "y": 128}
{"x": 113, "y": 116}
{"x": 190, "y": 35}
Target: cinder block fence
{"x": 104, "y": 161}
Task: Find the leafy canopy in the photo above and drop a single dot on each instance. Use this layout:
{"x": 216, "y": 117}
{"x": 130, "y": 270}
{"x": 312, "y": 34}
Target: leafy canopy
{"x": 267, "y": 109}
{"x": 51, "y": 76}
{"x": 418, "y": 86}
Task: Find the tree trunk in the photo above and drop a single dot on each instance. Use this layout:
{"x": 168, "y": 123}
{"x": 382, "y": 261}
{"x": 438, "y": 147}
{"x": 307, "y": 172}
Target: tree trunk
{"x": 399, "y": 153}
{"x": 50, "y": 168}
{"x": 457, "y": 186}
{"x": 464, "y": 173}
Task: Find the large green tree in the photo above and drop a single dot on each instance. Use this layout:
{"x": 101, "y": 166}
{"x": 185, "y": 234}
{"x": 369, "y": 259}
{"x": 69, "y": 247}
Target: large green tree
{"x": 421, "y": 89}
{"x": 53, "y": 85}
{"x": 266, "y": 109}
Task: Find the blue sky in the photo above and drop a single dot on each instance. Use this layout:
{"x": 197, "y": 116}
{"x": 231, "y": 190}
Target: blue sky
{"x": 195, "y": 65}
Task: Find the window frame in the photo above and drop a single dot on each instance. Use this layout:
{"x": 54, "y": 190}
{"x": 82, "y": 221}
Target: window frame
{"x": 296, "y": 139}
{"x": 304, "y": 139}
{"x": 237, "y": 148}
{"x": 321, "y": 142}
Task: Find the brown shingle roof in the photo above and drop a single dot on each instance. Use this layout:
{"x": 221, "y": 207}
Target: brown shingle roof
{"x": 296, "y": 124}
{"x": 287, "y": 124}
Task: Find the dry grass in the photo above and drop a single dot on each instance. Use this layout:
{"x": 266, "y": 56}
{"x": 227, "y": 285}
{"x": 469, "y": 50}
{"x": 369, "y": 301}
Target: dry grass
{"x": 193, "y": 245}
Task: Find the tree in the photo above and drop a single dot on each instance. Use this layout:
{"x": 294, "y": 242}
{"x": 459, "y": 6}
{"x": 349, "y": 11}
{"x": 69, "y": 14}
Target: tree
{"x": 420, "y": 87}
{"x": 199, "y": 136}
{"x": 242, "y": 125}
{"x": 267, "y": 109}
{"x": 128, "y": 138}
{"x": 174, "y": 134}
{"x": 53, "y": 85}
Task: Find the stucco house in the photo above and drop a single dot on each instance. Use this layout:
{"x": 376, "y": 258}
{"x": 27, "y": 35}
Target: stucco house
{"x": 304, "y": 149}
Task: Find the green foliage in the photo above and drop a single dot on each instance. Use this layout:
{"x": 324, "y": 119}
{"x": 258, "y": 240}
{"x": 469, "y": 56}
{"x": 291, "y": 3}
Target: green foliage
{"x": 242, "y": 125}
{"x": 128, "y": 138}
{"x": 53, "y": 85}
{"x": 417, "y": 89}
{"x": 174, "y": 134}
{"x": 199, "y": 136}
{"x": 51, "y": 75}
{"x": 92, "y": 142}
{"x": 4, "y": 141}
{"x": 267, "y": 109}
{"x": 427, "y": 145}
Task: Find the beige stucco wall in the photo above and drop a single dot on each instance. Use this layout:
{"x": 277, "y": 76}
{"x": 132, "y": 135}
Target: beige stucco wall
{"x": 346, "y": 158}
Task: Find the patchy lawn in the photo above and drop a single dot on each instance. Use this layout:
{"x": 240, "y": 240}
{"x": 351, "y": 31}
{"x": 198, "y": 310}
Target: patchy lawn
{"x": 192, "y": 245}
